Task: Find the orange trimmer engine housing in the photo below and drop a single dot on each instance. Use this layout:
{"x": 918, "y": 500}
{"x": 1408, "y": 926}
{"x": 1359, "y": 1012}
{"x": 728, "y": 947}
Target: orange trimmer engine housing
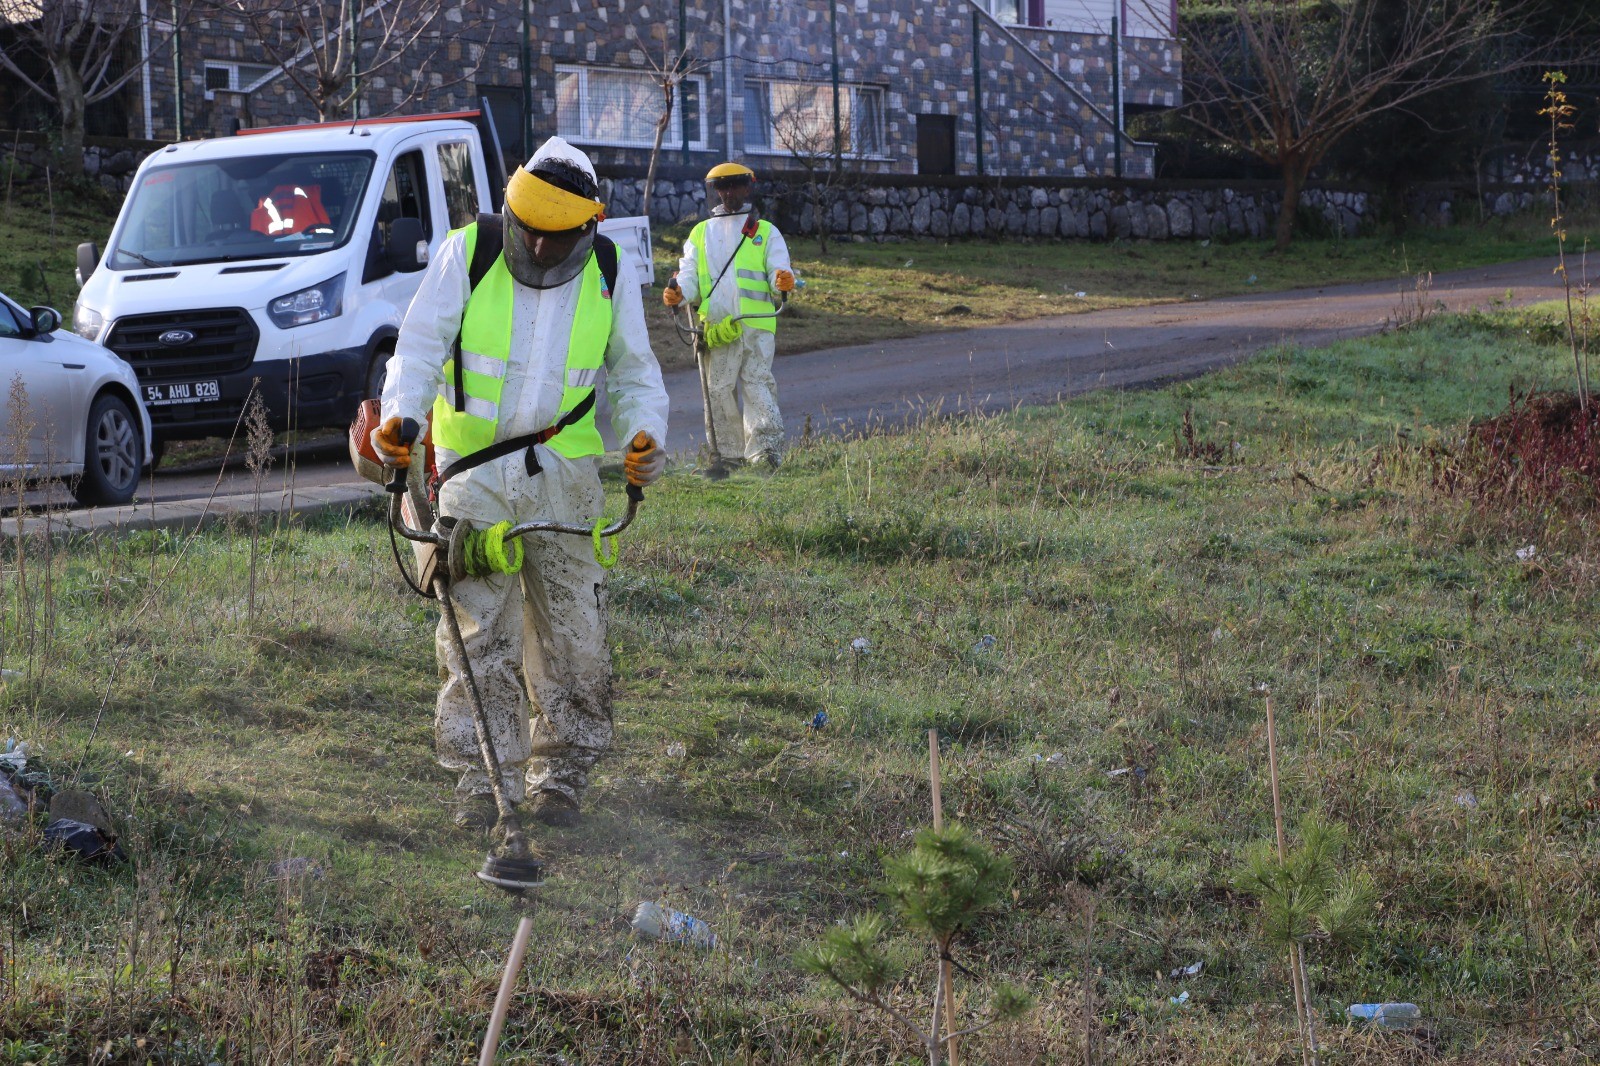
{"x": 362, "y": 456}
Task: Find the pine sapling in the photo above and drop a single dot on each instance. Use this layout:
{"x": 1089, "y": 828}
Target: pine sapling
{"x": 939, "y": 889}
{"x": 1306, "y": 899}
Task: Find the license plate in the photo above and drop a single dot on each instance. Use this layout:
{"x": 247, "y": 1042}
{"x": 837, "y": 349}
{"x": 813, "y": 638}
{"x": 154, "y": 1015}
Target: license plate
{"x": 181, "y": 392}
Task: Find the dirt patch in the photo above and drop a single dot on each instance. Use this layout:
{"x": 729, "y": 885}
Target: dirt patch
{"x": 1543, "y": 449}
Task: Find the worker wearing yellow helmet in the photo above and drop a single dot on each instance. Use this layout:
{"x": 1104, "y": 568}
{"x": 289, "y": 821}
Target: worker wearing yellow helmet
{"x": 519, "y": 321}
{"x": 737, "y": 263}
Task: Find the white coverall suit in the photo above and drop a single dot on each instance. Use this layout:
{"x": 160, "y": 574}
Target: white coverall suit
{"x": 547, "y": 625}
{"x": 746, "y": 364}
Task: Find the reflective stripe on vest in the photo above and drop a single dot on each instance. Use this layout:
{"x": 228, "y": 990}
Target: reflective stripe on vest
{"x": 486, "y": 355}
{"x": 748, "y": 273}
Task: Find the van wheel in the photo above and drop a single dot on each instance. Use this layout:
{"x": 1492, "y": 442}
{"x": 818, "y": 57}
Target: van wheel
{"x": 111, "y": 454}
{"x": 377, "y": 373}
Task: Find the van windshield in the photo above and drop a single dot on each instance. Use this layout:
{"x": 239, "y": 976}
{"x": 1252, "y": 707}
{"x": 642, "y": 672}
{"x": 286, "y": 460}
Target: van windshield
{"x": 253, "y": 207}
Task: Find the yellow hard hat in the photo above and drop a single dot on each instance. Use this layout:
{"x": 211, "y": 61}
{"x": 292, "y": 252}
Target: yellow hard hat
{"x": 730, "y": 170}
{"x": 539, "y": 205}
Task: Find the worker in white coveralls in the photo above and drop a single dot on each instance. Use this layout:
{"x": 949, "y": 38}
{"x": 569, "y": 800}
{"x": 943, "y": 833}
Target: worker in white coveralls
{"x": 732, "y": 264}
{"x": 507, "y": 352}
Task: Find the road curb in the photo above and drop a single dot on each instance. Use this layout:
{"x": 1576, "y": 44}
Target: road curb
{"x": 193, "y": 514}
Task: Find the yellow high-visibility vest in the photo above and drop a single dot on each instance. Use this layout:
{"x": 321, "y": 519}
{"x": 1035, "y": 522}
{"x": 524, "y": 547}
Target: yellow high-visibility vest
{"x": 486, "y": 355}
{"x": 749, "y": 272}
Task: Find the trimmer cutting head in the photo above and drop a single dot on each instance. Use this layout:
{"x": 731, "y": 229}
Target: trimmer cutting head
{"x": 511, "y": 874}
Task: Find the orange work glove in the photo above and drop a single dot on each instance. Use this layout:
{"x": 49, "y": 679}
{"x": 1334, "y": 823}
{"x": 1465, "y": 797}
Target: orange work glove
{"x": 644, "y": 461}
{"x": 672, "y": 296}
{"x": 784, "y": 281}
{"x": 386, "y": 442}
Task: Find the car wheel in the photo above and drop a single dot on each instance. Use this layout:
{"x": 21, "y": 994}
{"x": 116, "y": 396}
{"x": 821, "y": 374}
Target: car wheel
{"x": 377, "y": 373}
{"x": 112, "y": 454}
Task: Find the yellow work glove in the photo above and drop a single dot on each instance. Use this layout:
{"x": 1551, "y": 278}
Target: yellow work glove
{"x": 783, "y": 280}
{"x": 386, "y": 442}
{"x": 644, "y": 461}
{"x": 672, "y": 296}
{"x": 723, "y": 333}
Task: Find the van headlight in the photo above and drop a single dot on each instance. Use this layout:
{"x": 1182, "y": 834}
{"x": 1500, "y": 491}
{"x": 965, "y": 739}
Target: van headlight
{"x": 87, "y": 322}
{"x": 320, "y": 302}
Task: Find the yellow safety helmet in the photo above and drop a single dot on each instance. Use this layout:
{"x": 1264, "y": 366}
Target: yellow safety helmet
{"x": 730, "y": 173}
{"x": 553, "y": 195}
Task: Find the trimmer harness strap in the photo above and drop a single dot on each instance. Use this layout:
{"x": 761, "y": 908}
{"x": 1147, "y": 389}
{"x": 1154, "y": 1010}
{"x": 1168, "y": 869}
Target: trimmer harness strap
{"x": 512, "y": 445}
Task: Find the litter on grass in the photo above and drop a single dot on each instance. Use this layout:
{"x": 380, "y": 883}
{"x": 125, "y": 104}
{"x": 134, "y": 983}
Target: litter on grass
{"x": 1191, "y": 970}
{"x": 83, "y": 841}
{"x": 655, "y": 922}
{"x": 1386, "y": 1015}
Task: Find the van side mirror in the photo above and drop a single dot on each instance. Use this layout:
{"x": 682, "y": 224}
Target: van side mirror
{"x": 88, "y": 259}
{"x": 407, "y": 248}
{"x": 46, "y": 320}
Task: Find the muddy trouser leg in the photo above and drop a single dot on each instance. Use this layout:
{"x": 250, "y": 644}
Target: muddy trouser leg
{"x": 490, "y": 613}
{"x": 565, "y": 658}
{"x": 763, "y": 422}
{"x": 722, "y": 378}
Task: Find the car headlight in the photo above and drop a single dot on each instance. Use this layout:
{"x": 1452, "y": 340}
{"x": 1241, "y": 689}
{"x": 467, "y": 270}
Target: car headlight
{"x": 87, "y": 322}
{"x": 320, "y": 302}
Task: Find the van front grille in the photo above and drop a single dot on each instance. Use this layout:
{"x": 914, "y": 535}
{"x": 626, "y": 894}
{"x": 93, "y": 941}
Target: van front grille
{"x": 220, "y": 341}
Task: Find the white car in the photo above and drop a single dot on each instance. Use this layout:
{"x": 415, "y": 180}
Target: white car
{"x": 68, "y": 409}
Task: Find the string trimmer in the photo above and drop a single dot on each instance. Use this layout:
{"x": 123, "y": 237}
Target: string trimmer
{"x": 454, "y": 551}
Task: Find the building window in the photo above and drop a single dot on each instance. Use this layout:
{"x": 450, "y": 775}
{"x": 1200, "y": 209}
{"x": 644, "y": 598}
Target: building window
{"x": 1018, "y": 12}
{"x": 235, "y": 77}
{"x": 621, "y": 107}
{"x": 796, "y": 118}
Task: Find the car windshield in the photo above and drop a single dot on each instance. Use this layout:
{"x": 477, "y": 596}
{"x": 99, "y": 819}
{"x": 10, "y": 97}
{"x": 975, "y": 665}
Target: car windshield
{"x": 252, "y": 207}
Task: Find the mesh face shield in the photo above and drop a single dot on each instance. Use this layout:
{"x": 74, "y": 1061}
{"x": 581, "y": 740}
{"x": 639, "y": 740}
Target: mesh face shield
{"x": 519, "y": 260}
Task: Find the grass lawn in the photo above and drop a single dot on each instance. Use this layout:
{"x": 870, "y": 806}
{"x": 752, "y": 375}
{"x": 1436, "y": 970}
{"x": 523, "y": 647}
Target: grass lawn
{"x": 1435, "y": 695}
{"x": 859, "y": 293}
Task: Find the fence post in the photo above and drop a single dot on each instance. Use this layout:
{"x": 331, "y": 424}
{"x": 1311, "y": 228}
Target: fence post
{"x": 177, "y": 74}
{"x": 977, "y": 91}
{"x": 527, "y": 83}
{"x": 1116, "y": 96}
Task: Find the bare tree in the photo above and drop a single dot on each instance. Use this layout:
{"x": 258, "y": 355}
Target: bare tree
{"x": 334, "y": 50}
{"x": 1286, "y": 80}
{"x": 669, "y": 74}
{"x": 800, "y": 121}
{"x": 83, "y": 47}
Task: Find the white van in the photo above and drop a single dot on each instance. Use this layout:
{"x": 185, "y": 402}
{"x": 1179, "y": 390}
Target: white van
{"x": 287, "y": 256}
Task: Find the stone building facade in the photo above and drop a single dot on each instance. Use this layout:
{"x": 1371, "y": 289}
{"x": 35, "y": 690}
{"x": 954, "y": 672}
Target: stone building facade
{"x": 920, "y": 82}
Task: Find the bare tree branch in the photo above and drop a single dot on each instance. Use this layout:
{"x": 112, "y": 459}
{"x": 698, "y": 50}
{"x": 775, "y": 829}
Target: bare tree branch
{"x": 312, "y": 44}
{"x": 1285, "y": 80}
{"x": 78, "y": 42}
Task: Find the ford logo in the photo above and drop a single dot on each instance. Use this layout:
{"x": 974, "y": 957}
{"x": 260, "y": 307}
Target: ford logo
{"x": 174, "y": 337}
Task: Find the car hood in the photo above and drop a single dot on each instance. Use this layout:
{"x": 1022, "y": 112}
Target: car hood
{"x": 250, "y": 284}
{"x": 67, "y": 347}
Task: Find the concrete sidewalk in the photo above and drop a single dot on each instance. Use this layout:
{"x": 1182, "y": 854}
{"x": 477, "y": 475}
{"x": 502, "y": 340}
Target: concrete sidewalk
{"x": 193, "y": 514}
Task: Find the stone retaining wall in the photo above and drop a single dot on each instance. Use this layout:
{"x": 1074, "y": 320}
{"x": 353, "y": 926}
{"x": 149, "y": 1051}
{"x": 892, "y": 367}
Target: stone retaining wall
{"x": 911, "y": 210}
{"x": 111, "y": 163}
{"x": 887, "y": 207}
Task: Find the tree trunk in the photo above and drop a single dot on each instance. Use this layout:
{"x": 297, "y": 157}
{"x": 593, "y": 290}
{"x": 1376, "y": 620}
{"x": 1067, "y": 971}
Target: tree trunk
{"x": 71, "y": 103}
{"x": 655, "y": 150}
{"x": 1294, "y": 180}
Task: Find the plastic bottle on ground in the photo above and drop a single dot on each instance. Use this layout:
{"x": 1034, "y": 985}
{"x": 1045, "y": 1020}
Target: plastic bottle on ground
{"x": 1386, "y": 1015}
{"x": 655, "y": 922}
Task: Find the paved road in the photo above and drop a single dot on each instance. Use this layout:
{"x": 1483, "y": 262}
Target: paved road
{"x": 1026, "y": 363}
